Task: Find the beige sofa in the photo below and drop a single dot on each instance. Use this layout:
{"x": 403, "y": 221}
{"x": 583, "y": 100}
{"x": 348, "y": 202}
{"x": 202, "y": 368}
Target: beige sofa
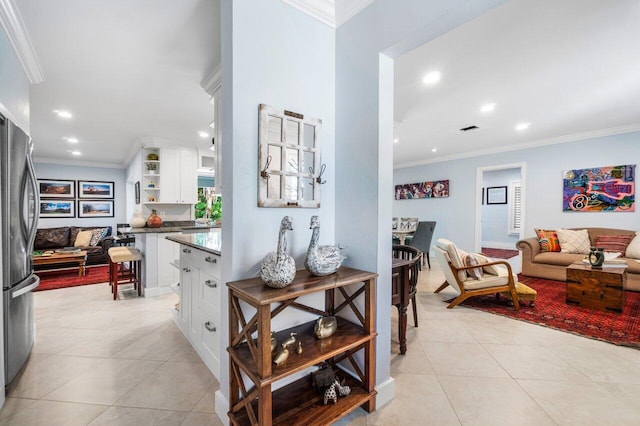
{"x": 552, "y": 265}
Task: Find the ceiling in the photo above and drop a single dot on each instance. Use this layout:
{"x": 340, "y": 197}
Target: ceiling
{"x": 127, "y": 70}
{"x": 571, "y": 68}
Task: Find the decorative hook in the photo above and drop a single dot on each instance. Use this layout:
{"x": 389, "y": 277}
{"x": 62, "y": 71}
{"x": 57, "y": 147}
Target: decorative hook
{"x": 318, "y": 179}
{"x": 264, "y": 173}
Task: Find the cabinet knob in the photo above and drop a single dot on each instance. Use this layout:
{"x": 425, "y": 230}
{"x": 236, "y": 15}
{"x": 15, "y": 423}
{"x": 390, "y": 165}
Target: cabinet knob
{"x": 186, "y": 269}
{"x": 211, "y": 259}
{"x": 186, "y": 250}
{"x": 211, "y": 284}
{"x": 208, "y": 326}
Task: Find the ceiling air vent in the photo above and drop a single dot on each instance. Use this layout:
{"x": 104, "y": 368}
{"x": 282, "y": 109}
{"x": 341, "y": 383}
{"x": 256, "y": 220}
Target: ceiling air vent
{"x": 466, "y": 129}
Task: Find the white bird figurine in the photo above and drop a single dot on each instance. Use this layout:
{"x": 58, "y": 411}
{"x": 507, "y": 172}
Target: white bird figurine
{"x": 278, "y": 268}
{"x": 321, "y": 260}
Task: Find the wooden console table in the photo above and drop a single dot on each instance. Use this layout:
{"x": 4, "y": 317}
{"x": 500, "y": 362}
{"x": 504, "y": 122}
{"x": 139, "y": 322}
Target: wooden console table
{"x": 297, "y": 403}
{"x": 78, "y": 258}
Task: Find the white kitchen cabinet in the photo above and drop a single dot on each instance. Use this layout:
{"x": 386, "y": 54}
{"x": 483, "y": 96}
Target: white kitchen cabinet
{"x": 179, "y": 180}
{"x": 199, "y": 313}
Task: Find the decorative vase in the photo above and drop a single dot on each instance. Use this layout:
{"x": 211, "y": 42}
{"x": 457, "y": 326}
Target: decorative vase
{"x": 137, "y": 220}
{"x": 154, "y": 220}
{"x": 596, "y": 257}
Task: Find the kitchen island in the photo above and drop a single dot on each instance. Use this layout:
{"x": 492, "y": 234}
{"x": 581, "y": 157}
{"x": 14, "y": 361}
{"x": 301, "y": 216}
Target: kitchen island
{"x": 160, "y": 266}
{"x": 197, "y": 314}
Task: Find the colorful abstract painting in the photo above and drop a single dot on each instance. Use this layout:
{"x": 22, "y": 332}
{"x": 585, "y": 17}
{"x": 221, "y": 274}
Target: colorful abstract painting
{"x": 434, "y": 189}
{"x": 603, "y": 189}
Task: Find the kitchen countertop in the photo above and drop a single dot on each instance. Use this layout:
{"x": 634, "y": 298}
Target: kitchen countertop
{"x": 210, "y": 242}
{"x": 177, "y": 226}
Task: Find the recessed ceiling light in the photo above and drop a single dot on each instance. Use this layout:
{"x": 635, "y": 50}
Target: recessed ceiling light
{"x": 62, "y": 113}
{"x": 70, "y": 139}
{"x": 434, "y": 150}
{"x": 432, "y": 77}
{"x": 203, "y": 134}
{"x": 396, "y": 140}
{"x": 487, "y": 107}
{"x": 76, "y": 153}
{"x": 522, "y": 126}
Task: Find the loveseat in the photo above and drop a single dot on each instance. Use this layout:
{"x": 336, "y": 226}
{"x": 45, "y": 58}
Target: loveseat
{"x": 65, "y": 236}
{"x": 552, "y": 265}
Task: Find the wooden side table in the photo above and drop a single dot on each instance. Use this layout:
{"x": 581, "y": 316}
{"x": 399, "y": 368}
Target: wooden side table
{"x": 602, "y": 289}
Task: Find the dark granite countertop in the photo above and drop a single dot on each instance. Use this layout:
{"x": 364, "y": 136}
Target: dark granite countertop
{"x": 210, "y": 242}
{"x": 171, "y": 226}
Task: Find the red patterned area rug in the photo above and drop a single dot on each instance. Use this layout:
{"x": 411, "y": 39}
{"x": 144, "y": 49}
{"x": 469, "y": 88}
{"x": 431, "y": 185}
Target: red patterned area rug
{"x": 551, "y": 311}
{"x": 499, "y": 253}
{"x": 50, "y": 280}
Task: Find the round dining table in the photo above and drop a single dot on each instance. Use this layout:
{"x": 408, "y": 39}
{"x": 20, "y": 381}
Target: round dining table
{"x": 401, "y": 234}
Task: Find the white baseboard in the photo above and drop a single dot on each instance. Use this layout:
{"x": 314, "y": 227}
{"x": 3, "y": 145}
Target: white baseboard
{"x": 499, "y": 245}
{"x": 386, "y": 392}
{"x": 222, "y": 408}
{"x": 157, "y": 291}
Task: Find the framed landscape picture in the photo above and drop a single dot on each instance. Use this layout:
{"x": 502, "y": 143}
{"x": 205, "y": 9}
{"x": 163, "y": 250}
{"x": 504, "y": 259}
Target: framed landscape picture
{"x": 95, "y": 208}
{"x": 57, "y": 208}
{"x": 95, "y": 189}
{"x": 497, "y": 195}
{"x": 56, "y": 188}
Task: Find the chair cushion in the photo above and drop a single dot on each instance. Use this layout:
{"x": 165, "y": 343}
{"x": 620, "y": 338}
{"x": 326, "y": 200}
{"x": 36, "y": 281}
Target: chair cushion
{"x": 572, "y": 241}
{"x": 614, "y": 243}
{"x": 83, "y": 239}
{"x": 486, "y": 282}
{"x": 548, "y": 239}
{"x": 454, "y": 255}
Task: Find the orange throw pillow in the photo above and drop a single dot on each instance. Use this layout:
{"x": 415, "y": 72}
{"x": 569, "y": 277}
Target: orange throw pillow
{"x": 548, "y": 240}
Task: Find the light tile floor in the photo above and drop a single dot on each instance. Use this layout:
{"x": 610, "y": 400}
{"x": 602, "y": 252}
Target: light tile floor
{"x": 101, "y": 362}
{"x": 467, "y": 367}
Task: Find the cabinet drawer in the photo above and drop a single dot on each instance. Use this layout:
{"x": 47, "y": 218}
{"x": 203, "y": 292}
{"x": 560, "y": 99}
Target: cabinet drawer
{"x": 209, "y": 263}
{"x": 210, "y": 344}
{"x": 209, "y": 293}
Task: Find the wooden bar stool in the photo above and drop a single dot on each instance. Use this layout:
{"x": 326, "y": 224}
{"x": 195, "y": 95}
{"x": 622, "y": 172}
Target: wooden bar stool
{"x": 125, "y": 268}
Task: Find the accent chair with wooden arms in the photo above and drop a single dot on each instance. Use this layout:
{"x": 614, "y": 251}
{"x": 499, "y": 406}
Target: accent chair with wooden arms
{"x": 496, "y": 276}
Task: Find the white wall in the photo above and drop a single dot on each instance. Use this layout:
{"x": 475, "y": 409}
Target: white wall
{"x": 364, "y": 129}
{"x": 272, "y": 54}
{"x": 543, "y": 191}
{"x": 14, "y": 86}
{"x": 495, "y": 217}
{"x": 117, "y": 176}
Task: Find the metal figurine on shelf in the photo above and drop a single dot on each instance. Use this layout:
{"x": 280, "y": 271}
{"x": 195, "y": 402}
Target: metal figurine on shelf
{"x": 325, "y": 327}
{"x": 321, "y": 260}
{"x": 278, "y": 268}
{"x": 281, "y": 356}
{"x": 299, "y": 348}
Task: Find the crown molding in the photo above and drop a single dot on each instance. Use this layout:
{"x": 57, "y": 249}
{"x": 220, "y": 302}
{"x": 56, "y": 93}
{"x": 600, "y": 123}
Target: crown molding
{"x": 16, "y": 32}
{"x": 356, "y": 7}
{"x": 213, "y": 80}
{"x": 77, "y": 163}
{"x": 323, "y": 10}
{"x": 526, "y": 145}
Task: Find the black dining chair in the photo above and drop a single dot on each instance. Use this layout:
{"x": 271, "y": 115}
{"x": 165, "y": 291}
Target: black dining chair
{"x": 422, "y": 239}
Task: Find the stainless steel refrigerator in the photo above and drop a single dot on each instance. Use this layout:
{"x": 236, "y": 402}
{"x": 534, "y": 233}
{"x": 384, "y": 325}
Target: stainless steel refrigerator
{"x": 19, "y": 201}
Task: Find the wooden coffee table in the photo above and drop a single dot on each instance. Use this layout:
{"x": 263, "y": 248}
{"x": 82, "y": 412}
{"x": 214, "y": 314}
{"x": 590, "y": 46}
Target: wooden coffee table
{"x": 602, "y": 289}
{"x": 61, "y": 258}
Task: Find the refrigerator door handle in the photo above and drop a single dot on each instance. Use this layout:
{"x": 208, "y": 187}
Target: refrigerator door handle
{"x": 36, "y": 198}
{"x": 35, "y": 283}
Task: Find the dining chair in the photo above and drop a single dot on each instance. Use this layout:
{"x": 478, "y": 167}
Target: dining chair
{"x": 422, "y": 239}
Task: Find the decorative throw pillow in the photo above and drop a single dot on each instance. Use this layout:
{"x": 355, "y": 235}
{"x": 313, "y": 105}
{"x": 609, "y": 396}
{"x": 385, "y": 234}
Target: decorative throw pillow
{"x": 470, "y": 259}
{"x": 614, "y": 243}
{"x": 83, "y": 239}
{"x": 548, "y": 239}
{"x": 633, "y": 249}
{"x": 97, "y": 235}
{"x": 574, "y": 241}
{"x": 490, "y": 269}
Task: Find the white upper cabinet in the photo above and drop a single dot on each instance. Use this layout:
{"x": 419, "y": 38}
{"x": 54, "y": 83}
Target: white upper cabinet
{"x": 178, "y": 180}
